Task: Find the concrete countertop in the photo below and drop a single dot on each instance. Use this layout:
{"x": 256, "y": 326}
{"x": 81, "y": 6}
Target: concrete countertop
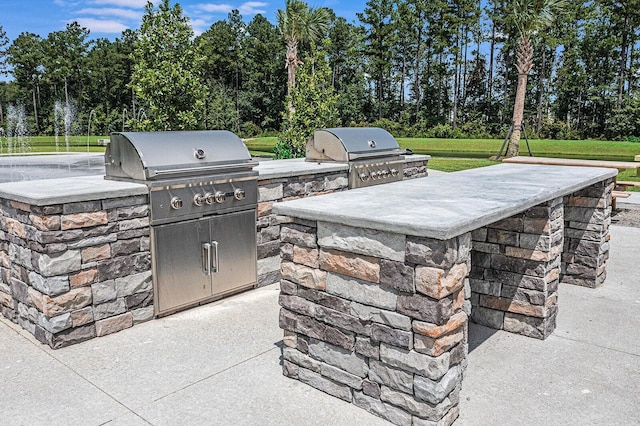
{"x": 446, "y": 205}
{"x": 416, "y": 157}
{"x": 71, "y": 189}
{"x": 274, "y": 169}
{"x": 68, "y": 190}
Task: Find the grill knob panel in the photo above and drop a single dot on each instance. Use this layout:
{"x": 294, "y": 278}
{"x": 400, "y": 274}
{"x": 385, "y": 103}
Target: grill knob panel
{"x": 220, "y": 197}
{"x": 176, "y": 203}
{"x": 199, "y": 199}
{"x": 239, "y": 194}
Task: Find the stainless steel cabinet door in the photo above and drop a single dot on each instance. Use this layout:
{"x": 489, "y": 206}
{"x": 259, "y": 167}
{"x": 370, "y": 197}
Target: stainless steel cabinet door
{"x": 235, "y": 235}
{"x": 179, "y": 273}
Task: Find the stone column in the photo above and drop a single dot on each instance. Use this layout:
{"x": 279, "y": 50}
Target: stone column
{"x": 587, "y": 219}
{"x": 74, "y": 271}
{"x": 376, "y": 319}
{"x": 515, "y": 271}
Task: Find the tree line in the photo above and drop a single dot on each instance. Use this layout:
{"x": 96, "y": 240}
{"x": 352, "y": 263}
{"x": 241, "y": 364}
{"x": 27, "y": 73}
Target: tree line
{"x": 439, "y": 68}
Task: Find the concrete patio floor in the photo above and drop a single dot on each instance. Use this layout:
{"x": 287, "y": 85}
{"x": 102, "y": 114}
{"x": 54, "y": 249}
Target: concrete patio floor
{"x": 219, "y": 364}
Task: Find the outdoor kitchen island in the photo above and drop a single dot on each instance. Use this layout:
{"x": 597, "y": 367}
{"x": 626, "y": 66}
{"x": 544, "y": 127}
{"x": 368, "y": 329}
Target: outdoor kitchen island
{"x": 76, "y": 253}
{"x": 378, "y": 283}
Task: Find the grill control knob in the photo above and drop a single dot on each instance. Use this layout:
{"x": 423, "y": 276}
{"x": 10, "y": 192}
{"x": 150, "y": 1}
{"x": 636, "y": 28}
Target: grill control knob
{"x": 364, "y": 177}
{"x": 176, "y": 203}
{"x": 384, "y": 173}
{"x": 394, "y": 172}
{"x": 198, "y": 199}
{"x": 220, "y": 197}
{"x": 209, "y": 198}
{"x": 239, "y": 194}
{"x": 375, "y": 175}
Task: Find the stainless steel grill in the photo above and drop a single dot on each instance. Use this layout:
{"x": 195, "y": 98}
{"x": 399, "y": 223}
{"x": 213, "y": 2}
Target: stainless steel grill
{"x": 202, "y": 197}
{"x": 150, "y": 156}
{"x": 372, "y": 153}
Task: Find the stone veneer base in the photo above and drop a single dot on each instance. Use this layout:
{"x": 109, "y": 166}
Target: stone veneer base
{"x": 376, "y": 319}
{"x": 70, "y": 272}
{"x": 379, "y": 319}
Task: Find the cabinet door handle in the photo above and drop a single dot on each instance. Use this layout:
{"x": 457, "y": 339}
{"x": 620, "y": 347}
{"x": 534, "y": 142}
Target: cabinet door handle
{"x": 206, "y": 258}
{"x": 216, "y": 266}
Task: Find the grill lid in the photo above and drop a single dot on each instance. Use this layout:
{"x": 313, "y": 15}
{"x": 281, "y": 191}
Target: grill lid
{"x": 161, "y": 155}
{"x": 351, "y": 143}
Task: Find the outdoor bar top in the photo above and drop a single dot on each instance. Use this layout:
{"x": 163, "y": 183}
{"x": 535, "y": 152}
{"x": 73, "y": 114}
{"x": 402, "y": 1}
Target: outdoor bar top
{"x": 72, "y": 188}
{"x": 378, "y": 283}
{"x": 444, "y": 206}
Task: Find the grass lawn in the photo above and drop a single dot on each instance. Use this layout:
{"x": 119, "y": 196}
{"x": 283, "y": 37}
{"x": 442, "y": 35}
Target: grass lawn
{"x": 485, "y": 148}
{"x": 451, "y": 155}
{"x": 262, "y": 146}
{"x": 44, "y": 144}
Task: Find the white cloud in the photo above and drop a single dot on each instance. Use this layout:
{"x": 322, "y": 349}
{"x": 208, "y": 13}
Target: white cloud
{"x": 215, "y": 8}
{"x": 200, "y": 25}
{"x": 111, "y": 11}
{"x": 246, "y": 8}
{"x": 66, "y": 3}
{"x": 102, "y": 26}
{"x": 124, "y": 3}
{"x": 252, "y": 8}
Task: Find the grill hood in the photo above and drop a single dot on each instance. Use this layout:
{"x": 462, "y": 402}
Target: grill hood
{"x": 142, "y": 156}
{"x": 351, "y": 143}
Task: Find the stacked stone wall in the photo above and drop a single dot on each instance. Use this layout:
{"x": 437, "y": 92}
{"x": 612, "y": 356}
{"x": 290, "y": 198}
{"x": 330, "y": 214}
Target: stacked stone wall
{"x": 587, "y": 219}
{"x": 415, "y": 169}
{"x": 377, "y": 319}
{"x": 516, "y": 271}
{"x": 71, "y": 272}
{"x": 519, "y": 262}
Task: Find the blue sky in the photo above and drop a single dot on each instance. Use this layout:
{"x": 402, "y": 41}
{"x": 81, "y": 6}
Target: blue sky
{"x": 108, "y": 18}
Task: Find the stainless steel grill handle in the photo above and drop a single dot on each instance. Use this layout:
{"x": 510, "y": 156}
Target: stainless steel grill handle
{"x": 216, "y": 266}
{"x": 206, "y": 258}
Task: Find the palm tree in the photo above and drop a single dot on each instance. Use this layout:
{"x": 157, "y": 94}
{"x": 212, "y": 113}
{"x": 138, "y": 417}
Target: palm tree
{"x": 529, "y": 17}
{"x": 300, "y": 23}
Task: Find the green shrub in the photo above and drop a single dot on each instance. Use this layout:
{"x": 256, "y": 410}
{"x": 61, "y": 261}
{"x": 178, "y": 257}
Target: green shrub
{"x": 292, "y": 142}
{"x": 444, "y": 131}
{"x": 475, "y": 129}
{"x": 556, "y": 129}
{"x": 250, "y": 130}
{"x": 395, "y": 128}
